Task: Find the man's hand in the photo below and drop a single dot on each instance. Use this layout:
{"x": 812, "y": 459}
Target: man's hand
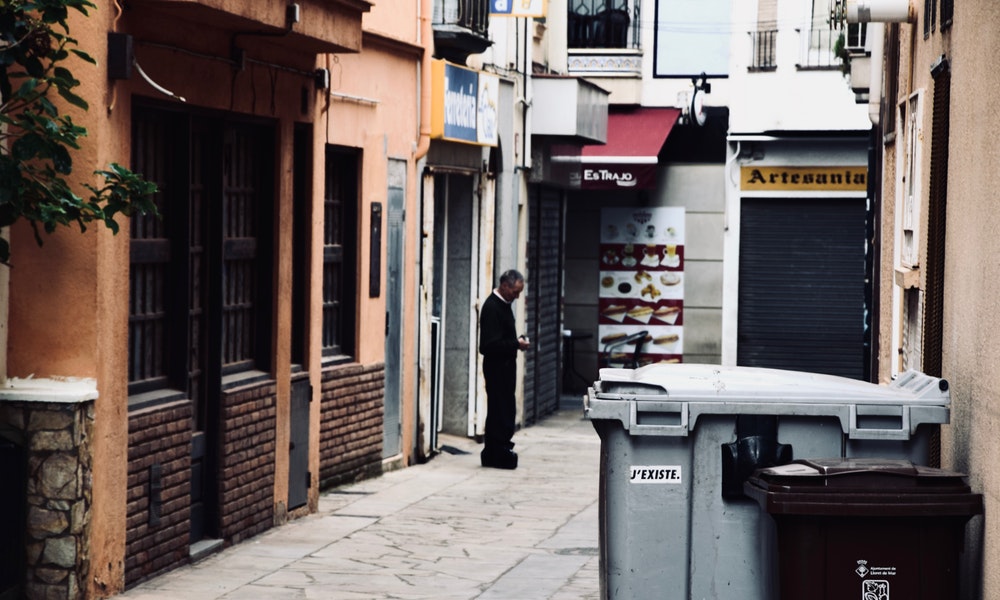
{"x": 523, "y": 342}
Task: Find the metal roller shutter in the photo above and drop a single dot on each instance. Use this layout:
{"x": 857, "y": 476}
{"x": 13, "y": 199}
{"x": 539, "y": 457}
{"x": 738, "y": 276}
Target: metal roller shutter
{"x": 544, "y": 318}
{"x": 802, "y": 285}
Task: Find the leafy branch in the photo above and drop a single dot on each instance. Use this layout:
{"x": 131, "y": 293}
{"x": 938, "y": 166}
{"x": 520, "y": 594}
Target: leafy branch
{"x": 36, "y": 140}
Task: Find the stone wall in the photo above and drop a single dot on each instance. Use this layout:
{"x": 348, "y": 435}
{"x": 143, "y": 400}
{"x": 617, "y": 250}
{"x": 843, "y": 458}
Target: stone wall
{"x": 56, "y": 437}
{"x": 353, "y": 405}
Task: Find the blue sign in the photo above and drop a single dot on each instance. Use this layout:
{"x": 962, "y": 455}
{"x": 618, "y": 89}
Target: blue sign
{"x": 517, "y": 8}
{"x": 461, "y": 87}
{"x": 501, "y": 7}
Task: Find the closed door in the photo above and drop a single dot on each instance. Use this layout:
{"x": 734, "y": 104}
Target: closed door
{"x": 201, "y": 297}
{"x": 392, "y": 423}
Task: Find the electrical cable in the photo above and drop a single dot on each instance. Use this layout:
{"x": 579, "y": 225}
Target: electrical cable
{"x": 155, "y": 85}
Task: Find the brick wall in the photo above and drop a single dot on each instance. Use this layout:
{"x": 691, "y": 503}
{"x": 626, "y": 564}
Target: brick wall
{"x": 352, "y": 408}
{"x": 246, "y": 480}
{"x": 159, "y": 438}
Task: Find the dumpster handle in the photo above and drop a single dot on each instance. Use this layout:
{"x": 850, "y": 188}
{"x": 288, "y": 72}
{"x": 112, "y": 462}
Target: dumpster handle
{"x": 863, "y": 433}
{"x": 677, "y": 410}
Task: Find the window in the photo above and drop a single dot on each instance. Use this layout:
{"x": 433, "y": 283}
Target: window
{"x": 473, "y": 15}
{"x": 856, "y": 36}
{"x": 763, "y": 40}
{"x": 200, "y": 277}
{"x": 910, "y": 354}
{"x": 947, "y": 13}
{"x": 340, "y": 226}
{"x": 930, "y": 17}
{"x": 937, "y": 210}
{"x": 763, "y": 44}
{"x": 692, "y": 37}
{"x": 603, "y": 24}
{"x": 909, "y": 196}
{"x": 818, "y": 43}
{"x": 151, "y": 309}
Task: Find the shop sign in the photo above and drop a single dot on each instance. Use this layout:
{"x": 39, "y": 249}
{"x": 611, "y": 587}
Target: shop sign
{"x": 641, "y": 290}
{"x": 517, "y": 8}
{"x": 803, "y": 179}
{"x": 608, "y": 176}
{"x": 464, "y": 105}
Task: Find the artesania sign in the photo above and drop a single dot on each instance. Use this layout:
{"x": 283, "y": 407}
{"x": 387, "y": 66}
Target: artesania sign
{"x": 804, "y": 179}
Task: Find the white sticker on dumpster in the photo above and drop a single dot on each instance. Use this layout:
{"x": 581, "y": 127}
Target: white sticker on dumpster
{"x": 655, "y": 474}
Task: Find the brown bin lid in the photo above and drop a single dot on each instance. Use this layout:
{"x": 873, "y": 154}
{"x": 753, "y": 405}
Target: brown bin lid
{"x": 862, "y": 487}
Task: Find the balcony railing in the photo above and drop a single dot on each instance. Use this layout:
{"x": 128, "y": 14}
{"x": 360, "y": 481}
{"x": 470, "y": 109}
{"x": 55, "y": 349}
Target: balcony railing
{"x": 603, "y": 24}
{"x": 818, "y": 49}
{"x": 763, "y": 50}
{"x": 473, "y": 15}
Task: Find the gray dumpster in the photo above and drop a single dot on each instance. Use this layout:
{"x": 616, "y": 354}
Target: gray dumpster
{"x": 678, "y": 441}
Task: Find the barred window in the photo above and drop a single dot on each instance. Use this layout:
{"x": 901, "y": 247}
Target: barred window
{"x": 340, "y": 226}
{"x": 603, "y": 24}
{"x": 199, "y": 283}
{"x": 947, "y": 13}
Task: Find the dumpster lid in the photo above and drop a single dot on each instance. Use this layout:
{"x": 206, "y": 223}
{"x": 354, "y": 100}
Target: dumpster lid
{"x": 820, "y": 475}
{"x": 862, "y": 487}
{"x": 704, "y": 382}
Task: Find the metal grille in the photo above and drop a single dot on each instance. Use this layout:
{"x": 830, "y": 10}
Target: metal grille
{"x": 937, "y": 202}
{"x": 603, "y": 24}
{"x": 240, "y": 176}
{"x": 340, "y": 222}
{"x": 947, "y": 13}
{"x": 150, "y": 254}
{"x": 763, "y": 44}
{"x": 473, "y": 15}
{"x": 818, "y": 49}
{"x": 199, "y": 277}
{"x": 544, "y": 307}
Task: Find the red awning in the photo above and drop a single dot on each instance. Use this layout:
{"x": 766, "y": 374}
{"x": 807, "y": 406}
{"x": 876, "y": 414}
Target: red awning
{"x": 628, "y": 159}
{"x": 634, "y": 136}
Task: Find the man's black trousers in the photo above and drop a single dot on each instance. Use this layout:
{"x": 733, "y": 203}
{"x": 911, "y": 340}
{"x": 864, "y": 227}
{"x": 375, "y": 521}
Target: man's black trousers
{"x": 500, "y": 373}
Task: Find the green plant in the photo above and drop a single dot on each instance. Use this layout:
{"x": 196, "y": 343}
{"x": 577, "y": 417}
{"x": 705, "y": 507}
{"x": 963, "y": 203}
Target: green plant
{"x": 36, "y": 140}
{"x": 840, "y": 51}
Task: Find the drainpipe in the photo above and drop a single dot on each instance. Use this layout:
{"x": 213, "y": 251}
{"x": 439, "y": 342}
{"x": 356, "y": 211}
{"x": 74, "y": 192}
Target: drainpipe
{"x": 423, "y": 424}
{"x": 876, "y": 33}
{"x": 427, "y": 39}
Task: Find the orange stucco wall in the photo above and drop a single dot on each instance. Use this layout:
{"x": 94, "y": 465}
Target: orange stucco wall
{"x": 373, "y": 106}
{"x": 69, "y": 299}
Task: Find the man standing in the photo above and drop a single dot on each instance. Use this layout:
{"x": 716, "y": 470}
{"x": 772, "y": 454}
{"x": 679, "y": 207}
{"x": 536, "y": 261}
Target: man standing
{"x": 499, "y": 343}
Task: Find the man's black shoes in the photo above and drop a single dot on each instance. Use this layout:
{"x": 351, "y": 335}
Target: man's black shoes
{"x": 504, "y": 459}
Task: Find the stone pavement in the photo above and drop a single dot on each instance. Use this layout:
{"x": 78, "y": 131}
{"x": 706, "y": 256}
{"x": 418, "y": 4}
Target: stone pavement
{"x": 447, "y": 529}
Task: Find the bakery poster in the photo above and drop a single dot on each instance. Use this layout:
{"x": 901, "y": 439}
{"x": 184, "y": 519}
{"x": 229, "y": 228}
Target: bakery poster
{"x": 641, "y": 297}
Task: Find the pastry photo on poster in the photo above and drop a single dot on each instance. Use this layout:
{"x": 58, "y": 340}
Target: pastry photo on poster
{"x": 641, "y": 288}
